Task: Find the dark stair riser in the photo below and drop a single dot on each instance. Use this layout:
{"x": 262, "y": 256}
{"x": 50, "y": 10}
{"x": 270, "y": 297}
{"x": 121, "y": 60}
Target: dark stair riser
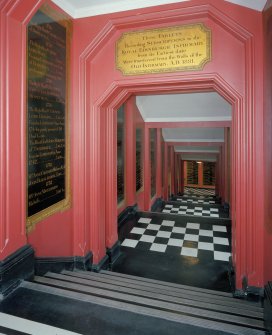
{"x": 174, "y": 308}
{"x": 193, "y": 325}
{"x": 179, "y": 293}
{"x": 210, "y": 305}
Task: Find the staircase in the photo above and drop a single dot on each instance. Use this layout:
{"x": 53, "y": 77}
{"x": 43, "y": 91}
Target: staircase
{"x": 203, "y": 311}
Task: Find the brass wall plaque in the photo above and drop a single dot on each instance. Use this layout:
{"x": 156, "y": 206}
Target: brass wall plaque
{"x": 48, "y": 153}
{"x": 181, "y": 48}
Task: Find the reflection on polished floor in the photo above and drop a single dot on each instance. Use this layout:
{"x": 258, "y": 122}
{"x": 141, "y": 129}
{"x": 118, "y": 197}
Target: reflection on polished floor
{"x": 177, "y": 248}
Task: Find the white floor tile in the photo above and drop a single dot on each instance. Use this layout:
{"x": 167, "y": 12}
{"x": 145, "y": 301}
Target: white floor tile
{"x": 206, "y": 212}
{"x": 168, "y": 223}
{"x": 205, "y": 246}
{"x": 203, "y": 232}
{"x": 191, "y": 237}
{"x": 192, "y": 225}
{"x": 147, "y": 238}
{"x": 212, "y": 202}
{"x": 221, "y": 240}
{"x": 30, "y": 327}
{"x": 198, "y": 213}
{"x": 153, "y": 227}
{"x": 190, "y": 211}
{"x": 214, "y": 215}
{"x": 221, "y": 256}
{"x": 182, "y": 212}
{"x": 178, "y": 199}
{"x": 144, "y": 220}
{"x": 214, "y": 210}
{"x": 175, "y": 242}
{"x": 166, "y": 210}
{"x": 188, "y": 252}
{"x": 199, "y": 208}
{"x": 220, "y": 228}
{"x": 179, "y": 230}
{"x": 129, "y": 243}
{"x": 138, "y": 231}
{"x": 183, "y": 207}
{"x": 158, "y": 247}
{"x": 175, "y": 209}
{"x": 168, "y": 206}
{"x": 165, "y": 234}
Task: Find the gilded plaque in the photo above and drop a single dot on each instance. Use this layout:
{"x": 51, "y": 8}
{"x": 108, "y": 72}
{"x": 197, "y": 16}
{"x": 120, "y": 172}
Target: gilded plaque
{"x": 182, "y": 48}
{"x": 48, "y": 167}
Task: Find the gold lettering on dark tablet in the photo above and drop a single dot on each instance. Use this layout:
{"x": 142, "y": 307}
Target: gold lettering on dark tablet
{"x": 48, "y": 187}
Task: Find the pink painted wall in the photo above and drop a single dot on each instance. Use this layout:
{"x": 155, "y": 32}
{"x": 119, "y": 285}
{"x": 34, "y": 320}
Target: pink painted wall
{"x": 54, "y": 236}
{"x": 133, "y": 120}
{"x": 267, "y": 26}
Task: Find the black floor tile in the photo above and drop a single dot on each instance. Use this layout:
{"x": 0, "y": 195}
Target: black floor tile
{"x": 205, "y": 239}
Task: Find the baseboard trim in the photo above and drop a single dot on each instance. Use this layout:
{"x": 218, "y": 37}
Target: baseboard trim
{"x": 16, "y": 268}
{"x": 158, "y": 204}
{"x": 113, "y": 253}
{"x": 104, "y": 264}
{"x": 247, "y": 292}
{"x": 57, "y": 264}
{"x": 127, "y": 213}
{"x": 231, "y": 275}
{"x": 268, "y": 307}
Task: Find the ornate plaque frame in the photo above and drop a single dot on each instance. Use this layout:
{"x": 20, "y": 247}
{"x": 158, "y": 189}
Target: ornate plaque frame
{"x": 171, "y": 49}
{"x": 63, "y": 200}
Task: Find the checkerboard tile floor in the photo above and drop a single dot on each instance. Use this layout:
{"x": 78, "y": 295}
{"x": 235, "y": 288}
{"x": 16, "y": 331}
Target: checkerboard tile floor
{"x": 195, "y": 201}
{"x": 180, "y": 238}
{"x": 197, "y": 211}
{"x": 198, "y": 191}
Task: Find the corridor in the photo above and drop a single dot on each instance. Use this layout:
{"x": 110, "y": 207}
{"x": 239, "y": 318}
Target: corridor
{"x": 178, "y": 247}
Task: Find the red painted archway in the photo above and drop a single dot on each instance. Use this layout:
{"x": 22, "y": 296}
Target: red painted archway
{"x": 102, "y": 90}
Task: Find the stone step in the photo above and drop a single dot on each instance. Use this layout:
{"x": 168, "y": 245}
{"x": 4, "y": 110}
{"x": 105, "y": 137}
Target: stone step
{"x": 196, "y": 325}
{"x": 229, "y": 319}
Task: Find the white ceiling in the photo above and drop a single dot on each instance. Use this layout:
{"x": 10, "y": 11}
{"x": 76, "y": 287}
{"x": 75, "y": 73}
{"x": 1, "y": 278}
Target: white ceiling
{"x": 199, "y": 157}
{"x": 205, "y": 135}
{"x": 208, "y": 106}
{"x": 196, "y": 149}
{"x": 85, "y": 8}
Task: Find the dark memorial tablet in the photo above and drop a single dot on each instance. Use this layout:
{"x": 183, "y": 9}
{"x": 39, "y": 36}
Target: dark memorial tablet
{"x": 47, "y": 116}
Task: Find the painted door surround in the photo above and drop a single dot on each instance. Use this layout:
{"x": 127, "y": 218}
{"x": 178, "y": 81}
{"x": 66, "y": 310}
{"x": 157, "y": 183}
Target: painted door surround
{"x": 116, "y": 89}
{"x": 98, "y": 89}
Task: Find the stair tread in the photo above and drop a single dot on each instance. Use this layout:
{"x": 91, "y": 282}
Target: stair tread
{"x": 154, "y": 294}
{"x": 175, "y": 308}
{"x": 147, "y": 311}
{"x": 183, "y": 292}
{"x": 182, "y": 287}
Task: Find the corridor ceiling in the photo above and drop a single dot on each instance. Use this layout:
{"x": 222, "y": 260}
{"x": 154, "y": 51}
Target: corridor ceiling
{"x": 86, "y": 8}
{"x": 209, "y": 106}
